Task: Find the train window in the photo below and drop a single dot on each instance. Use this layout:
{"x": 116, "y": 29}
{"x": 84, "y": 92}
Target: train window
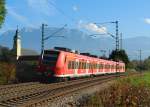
{"x": 112, "y": 66}
{"x": 69, "y": 65}
{"x": 50, "y": 58}
{"x": 107, "y": 66}
{"x": 120, "y": 67}
{"x": 76, "y": 65}
{"x": 80, "y": 65}
{"x": 87, "y": 65}
{"x": 92, "y": 66}
{"x": 97, "y": 67}
{"x": 73, "y": 64}
{"x": 117, "y": 66}
{"x": 83, "y": 65}
{"x": 51, "y": 52}
{"x": 100, "y": 66}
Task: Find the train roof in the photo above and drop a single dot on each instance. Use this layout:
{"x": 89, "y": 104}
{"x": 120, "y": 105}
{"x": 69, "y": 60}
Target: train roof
{"x": 67, "y": 50}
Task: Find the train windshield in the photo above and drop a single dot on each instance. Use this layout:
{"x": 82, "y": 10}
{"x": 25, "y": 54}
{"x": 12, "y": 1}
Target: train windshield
{"x": 50, "y": 58}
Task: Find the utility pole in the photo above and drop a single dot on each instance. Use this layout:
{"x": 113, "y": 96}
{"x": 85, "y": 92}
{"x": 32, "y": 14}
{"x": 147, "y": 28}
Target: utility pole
{"x": 120, "y": 41}
{"x": 50, "y": 36}
{"x": 117, "y": 36}
{"x": 42, "y": 41}
{"x": 140, "y": 52}
{"x": 117, "y": 44}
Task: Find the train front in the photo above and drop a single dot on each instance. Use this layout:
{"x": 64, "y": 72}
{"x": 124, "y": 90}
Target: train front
{"x": 47, "y": 63}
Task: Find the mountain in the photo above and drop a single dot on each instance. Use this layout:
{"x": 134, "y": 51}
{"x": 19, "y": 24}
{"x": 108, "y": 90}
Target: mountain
{"x": 76, "y": 40}
{"x": 27, "y": 52}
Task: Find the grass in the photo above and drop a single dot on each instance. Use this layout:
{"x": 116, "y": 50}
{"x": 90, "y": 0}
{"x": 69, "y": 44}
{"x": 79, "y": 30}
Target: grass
{"x": 133, "y": 91}
{"x": 137, "y": 80}
{"x": 2, "y": 81}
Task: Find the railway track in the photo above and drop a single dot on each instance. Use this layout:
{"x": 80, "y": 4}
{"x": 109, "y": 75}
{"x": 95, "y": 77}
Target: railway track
{"x": 37, "y": 94}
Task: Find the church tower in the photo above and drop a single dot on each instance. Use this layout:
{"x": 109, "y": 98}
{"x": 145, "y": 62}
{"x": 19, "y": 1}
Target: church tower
{"x": 17, "y": 44}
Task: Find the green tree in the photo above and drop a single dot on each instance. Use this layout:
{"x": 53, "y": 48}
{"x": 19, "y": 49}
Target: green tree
{"x": 119, "y": 55}
{"x": 6, "y": 55}
{"x": 146, "y": 64}
{"x": 2, "y": 12}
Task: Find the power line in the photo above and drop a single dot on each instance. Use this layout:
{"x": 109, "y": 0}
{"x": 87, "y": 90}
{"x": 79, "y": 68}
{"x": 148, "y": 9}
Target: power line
{"x": 55, "y": 32}
{"x": 60, "y": 11}
{"x": 46, "y": 38}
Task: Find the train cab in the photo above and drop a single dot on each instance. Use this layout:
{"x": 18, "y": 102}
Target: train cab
{"x": 48, "y": 62}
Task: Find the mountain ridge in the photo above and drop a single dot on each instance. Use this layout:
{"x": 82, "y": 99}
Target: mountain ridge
{"x": 76, "y": 40}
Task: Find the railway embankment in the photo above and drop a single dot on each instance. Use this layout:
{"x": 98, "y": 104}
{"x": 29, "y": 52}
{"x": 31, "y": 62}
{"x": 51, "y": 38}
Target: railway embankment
{"x": 80, "y": 98}
{"x": 64, "y": 94}
{"x": 133, "y": 91}
{"x": 68, "y": 93}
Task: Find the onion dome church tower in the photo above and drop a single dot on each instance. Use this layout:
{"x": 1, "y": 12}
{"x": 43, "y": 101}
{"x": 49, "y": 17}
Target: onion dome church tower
{"x": 17, "y": 44}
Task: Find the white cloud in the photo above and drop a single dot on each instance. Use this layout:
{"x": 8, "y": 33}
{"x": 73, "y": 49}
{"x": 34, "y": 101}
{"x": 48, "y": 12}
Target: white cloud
{"x": 18, "y": 16}
{"x": 94, "y": 28}
{"x": 147, "y": 20}
{"x": 42, "y": 6}
{"x": 75, "y": 8}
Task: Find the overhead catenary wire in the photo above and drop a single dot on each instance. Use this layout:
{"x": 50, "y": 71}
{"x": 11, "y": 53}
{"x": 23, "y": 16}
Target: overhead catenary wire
{"x": 61, "y": 11}
{"x": 70, "y": 18}
{"x": 52, "y": 35}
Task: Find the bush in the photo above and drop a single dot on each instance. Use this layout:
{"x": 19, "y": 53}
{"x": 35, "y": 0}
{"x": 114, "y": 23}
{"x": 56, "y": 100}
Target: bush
{"x": 128, "y": 92}
{"x": 7, "y": 72}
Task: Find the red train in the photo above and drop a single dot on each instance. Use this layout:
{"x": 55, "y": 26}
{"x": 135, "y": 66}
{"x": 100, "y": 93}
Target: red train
{"x": 65, "y": 64}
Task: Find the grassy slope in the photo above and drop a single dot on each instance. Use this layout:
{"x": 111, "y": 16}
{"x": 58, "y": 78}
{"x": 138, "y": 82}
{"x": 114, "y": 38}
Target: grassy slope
{"x": 130, "y": 92}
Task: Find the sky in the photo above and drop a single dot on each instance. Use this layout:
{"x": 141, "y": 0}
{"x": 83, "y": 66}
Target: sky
{"x": 133, "y": 15}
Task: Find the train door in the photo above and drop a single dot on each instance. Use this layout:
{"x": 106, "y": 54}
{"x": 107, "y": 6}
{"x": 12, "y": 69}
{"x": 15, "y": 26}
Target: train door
{"x": 87, "y": 67}
{"x": 100, "y": 67}
{"x": 76, "y": 67}
{"x": 97, "y": 67}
